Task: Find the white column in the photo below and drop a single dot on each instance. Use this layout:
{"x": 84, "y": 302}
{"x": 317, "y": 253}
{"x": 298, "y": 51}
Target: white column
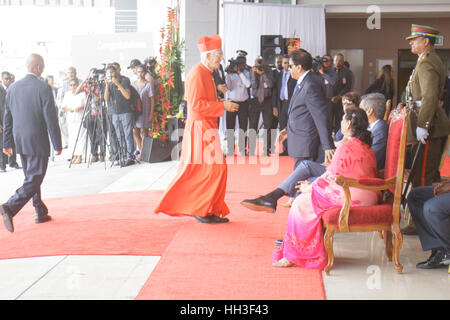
{"x": 198, "y": 18}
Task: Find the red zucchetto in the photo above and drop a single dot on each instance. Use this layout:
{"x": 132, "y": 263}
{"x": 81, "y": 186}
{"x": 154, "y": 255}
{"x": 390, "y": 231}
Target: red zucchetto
{"x": 209, "y": 43}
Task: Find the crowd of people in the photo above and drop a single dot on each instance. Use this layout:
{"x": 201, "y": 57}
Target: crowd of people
{"x": 328, "y": 130}
{"x": 96, "y": 115}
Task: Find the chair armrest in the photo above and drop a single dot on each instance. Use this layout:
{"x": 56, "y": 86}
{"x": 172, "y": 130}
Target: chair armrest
{"x": 374, "y": 184}
{"x": 346, "y": 183}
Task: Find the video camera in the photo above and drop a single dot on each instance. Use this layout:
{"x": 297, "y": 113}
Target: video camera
{"x": 260, "y": 64}
{"x": 233, "y": 67}
{"x": 94, "y": 80}
{"x": 317, "y": 62}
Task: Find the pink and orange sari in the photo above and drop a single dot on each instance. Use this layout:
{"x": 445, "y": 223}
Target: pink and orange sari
{"x": 303, "y": 243}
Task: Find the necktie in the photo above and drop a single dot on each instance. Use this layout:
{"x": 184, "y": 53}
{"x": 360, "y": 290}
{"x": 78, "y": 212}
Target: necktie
{"x": 284, "y": 93}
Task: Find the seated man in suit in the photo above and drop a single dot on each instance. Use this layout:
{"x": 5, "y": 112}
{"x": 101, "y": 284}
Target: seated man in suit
{"x": 375, "y": 106}
{"x": 430, "y": 210}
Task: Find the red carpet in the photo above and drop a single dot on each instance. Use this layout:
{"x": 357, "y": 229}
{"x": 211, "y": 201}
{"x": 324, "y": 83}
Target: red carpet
{"x": 102, "y": 224}
{"x": 230, "y": 261}
{"x": 233, "y": 261}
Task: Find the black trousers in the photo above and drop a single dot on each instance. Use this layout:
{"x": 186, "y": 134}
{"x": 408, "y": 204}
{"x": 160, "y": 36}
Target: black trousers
{"x": 256, "y": 109}
{"x": 34, "y": 168}
{"x": 94, "y": 129}
{"x": 335, "y": 112}
{"x": 283, "y": 119}
{"x": 3, "y": 157}
{"x": 230, "y": 118}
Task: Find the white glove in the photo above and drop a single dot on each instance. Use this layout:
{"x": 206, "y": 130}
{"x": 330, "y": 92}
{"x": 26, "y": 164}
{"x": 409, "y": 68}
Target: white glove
{"x": 421, "y": 134}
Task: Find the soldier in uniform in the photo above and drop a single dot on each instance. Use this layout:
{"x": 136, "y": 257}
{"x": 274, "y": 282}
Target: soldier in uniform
{"x": 428, "y": 124}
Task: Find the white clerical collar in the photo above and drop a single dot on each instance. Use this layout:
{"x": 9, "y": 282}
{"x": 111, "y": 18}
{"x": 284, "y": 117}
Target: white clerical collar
{"x": 206, "y": 66}
{"x": 372, "y": 125}
{"x": 299, "y": 81}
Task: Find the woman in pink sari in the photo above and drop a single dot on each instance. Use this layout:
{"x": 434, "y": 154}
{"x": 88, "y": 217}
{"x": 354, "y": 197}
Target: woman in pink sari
{"x": 303, "y": 243}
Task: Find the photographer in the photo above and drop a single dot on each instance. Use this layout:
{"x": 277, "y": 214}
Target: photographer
{"x": 262, "y": 82}
{"x": 95, "y": 121}
{"x": 237, "y": 81}
{"x": 323, "y": 65}
{"x": 118, "y": 94}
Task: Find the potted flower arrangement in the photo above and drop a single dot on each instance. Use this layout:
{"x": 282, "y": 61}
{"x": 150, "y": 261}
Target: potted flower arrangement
{"x": 167, "y": 75}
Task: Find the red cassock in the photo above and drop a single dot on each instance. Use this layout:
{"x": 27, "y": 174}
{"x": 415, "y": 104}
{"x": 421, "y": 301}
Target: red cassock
{"x": 200, "y": 184}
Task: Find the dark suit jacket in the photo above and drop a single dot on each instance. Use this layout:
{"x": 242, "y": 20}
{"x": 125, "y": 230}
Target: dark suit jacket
{"x": 2, "y": 103}
{"x": 2, "y": 112}
{"x": 219, "y": 78}
{"x": 277, "y": 89}
{"x": 307, "y": 127}
{"x": 379, "y": 142}
{"x": 30, "y": 117}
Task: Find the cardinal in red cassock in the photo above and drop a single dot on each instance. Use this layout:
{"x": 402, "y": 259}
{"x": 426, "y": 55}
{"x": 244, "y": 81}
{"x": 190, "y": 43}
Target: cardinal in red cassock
{"x": 199, "y": 187}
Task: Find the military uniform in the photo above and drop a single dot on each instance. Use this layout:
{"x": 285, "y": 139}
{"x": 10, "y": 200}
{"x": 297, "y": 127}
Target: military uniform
{"x": 423, "y": 92}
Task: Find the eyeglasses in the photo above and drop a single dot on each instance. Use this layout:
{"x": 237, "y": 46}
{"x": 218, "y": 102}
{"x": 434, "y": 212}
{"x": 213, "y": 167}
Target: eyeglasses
{"x": 7, "y": 78}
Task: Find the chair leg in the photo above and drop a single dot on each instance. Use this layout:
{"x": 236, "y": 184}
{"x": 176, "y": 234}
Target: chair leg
{"x": 328, "y": 240}
{"x": 398, "y": 242}
{"x": 388, "y": 244}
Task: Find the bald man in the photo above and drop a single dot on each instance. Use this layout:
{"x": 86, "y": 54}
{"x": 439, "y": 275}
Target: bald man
{"x": 30, "y": 118}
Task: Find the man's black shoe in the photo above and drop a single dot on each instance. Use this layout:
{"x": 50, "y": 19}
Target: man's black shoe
{"x": 436, "y": 260}
{"x": 42, "y": 219}
{"x": 260, "y": 204}
{"x": 15, "y": 166}
{"x": 2, "y": 169}
{"x": 284, "y": 153}
{"x": 207, "y": 219}
{"x": 217, "y": 219}
{"x": 130, "y": 162}
{"x": 7, "y": 219}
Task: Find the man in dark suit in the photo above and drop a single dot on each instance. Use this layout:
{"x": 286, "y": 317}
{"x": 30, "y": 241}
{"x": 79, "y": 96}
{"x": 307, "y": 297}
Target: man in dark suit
{"x": 7, "y": 80}
{"x": 3, "y": 157}
{"x": 308, "y": 134}
{"x": 30, "y": 117}
{"x": 343, "y": 84}
{"x": 282, "y": 93}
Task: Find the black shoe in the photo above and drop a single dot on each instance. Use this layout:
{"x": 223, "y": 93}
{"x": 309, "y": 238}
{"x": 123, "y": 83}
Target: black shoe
{"x": 207, "y": 219}
{"x": 42, "y": 219}
{"x": 438, "y": 259}
{"x": 284, "y": 153}
{"x": 130, "y": 162}
{"x": 15, "y": 166}
{"x": 260, "y": 204}
{"x": 7, "y": 219}
{"x": 2, "y": 169}
{"x": 217, "y": 219}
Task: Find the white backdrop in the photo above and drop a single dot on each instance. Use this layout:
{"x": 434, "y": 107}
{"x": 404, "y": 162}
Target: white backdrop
{"x": 244, "y": 23}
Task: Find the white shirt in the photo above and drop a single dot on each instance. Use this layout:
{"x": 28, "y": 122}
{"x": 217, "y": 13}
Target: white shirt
{"x": 372, "y": 125}
{"x": 299, "y": 81}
